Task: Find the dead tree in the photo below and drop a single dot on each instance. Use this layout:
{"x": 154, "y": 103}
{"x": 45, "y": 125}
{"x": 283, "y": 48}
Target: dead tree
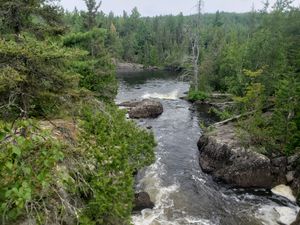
{"x": 196, "y": 46}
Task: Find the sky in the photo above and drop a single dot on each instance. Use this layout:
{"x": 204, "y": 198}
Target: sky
{"x": 164, "y": 7}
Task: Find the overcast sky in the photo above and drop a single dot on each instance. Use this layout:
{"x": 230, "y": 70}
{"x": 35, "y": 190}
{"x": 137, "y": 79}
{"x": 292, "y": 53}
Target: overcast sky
{"x": 163, "y": 7}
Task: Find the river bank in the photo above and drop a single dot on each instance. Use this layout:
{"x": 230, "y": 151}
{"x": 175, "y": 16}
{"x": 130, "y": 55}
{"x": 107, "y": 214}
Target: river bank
{"x": 126, "y": 67}
{"x": 224, "y": 154}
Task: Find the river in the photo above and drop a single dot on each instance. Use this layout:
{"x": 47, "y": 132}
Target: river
{"x": 182, "y": 193}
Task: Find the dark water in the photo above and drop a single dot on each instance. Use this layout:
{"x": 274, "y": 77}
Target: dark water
{"x": 182, "y": 193}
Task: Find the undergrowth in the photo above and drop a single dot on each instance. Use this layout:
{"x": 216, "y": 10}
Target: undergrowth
{"x": 51, "y": 180}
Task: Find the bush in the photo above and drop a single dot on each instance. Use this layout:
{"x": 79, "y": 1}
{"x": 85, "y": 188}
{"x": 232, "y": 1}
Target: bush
{"x": 222, "y": 115}
{"x": 28, "y": 158}
{"x": 52, "y": 177}
{"x": 197, "y": 95}
{"x": 32, "y": 73}
{"x": 119, "y": 149}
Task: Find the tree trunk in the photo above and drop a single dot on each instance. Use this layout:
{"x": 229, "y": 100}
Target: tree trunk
{"x": 196, "y": 53}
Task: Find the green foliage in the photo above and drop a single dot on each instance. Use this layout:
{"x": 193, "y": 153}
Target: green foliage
{"x": 89, "y": 17}
{"x": 285, "y": 121}
{"x": 28, "y": 158}
{"x": 96, "y": 69}
{"x": 32, "y": 71}
{"x": 197, "y": 95}
{"x": 254, "y": 101}
{"x": 43, "y": 177}
{"x": 40, "y": 17}
{"x": 50, "y": 175}
{"x": 118, "y": 149}
{"x": 223, "y": 115}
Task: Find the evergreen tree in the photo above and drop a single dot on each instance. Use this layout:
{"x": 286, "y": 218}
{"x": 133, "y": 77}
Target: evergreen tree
{"x": 17, "y": 16}
{"x": 90, "y": 16}
{"x": 32, "y": 73}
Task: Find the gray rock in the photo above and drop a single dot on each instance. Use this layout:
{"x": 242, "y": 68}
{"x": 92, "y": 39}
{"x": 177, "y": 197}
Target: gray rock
{"x": 146, "y": 109}
{"x": 289, "y": 168}
{"x": 223, "y": 156}
{"x": 129, "y": 104}
{"x": 279, "y": 161}
{"x": 290, "y": 176}
{"x": 142, "y": 201}
{"x": 296, "y": 182}
{"x": 293, "y": 159}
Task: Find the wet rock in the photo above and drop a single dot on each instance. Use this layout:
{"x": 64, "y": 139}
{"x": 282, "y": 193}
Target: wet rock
{"x": 284, "y": 191}
{"x": 223, "y": 156}
{"x": 149, "y": 127}
{"x": 142, "y": 201}
{"x": 146, "y": 109}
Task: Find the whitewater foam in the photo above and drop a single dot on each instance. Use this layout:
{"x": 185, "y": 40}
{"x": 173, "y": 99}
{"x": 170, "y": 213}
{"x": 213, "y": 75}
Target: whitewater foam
{"x": 171, "y": 95}
{"x": 270, "y": 215}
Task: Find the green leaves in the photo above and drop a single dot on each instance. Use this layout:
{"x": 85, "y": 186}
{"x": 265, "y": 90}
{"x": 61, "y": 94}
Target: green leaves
{"x": 26, "y": 167}
{"x": 119, "y": 148}
{"x": 197, "y": 95}
{"x": 32, "y": 71}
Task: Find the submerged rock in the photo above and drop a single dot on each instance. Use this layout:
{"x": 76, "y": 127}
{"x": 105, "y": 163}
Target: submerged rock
{"x": 142, "y": 201}
{"x": 146, "y": 108}
{"x": 226, "y": 159}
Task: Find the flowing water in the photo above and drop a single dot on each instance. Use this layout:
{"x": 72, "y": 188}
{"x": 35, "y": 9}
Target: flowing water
{"x": 182, "y": 193}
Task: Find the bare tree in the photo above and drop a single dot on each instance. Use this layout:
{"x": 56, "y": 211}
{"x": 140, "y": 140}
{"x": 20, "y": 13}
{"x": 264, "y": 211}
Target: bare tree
{"x": 195, "y": 39}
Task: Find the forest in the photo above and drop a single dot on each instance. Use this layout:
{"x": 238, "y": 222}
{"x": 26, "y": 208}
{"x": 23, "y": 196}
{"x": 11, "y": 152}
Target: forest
{"x": 68, "y": 154}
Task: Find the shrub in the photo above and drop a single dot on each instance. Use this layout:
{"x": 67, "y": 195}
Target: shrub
{"x": 197, "y": 95}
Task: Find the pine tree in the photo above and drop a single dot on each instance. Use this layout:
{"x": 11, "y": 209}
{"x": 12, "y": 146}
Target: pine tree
{"x": 90, "y": 16}
{"x": 33, "y": 73}
{"x": 17, "y": 16}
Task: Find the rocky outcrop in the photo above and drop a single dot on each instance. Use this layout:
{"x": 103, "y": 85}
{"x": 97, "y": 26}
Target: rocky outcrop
{"x": 146, "y": 108}
{"x": 142, "y": 201}
{"x": 223, "y": 156}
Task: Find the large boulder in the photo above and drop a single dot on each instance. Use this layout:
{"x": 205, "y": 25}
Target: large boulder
{"x": 146, "y": 108}
{"x": 223, "y": 156}
{"x": 142, "y": 201}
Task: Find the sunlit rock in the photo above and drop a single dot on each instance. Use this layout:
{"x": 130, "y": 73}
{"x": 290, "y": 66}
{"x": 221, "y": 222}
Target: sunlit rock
{"x": 284, "y": 191}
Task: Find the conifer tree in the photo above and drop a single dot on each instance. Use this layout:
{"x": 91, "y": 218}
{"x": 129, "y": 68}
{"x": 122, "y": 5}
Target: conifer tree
{"x": 33, "y": 73}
